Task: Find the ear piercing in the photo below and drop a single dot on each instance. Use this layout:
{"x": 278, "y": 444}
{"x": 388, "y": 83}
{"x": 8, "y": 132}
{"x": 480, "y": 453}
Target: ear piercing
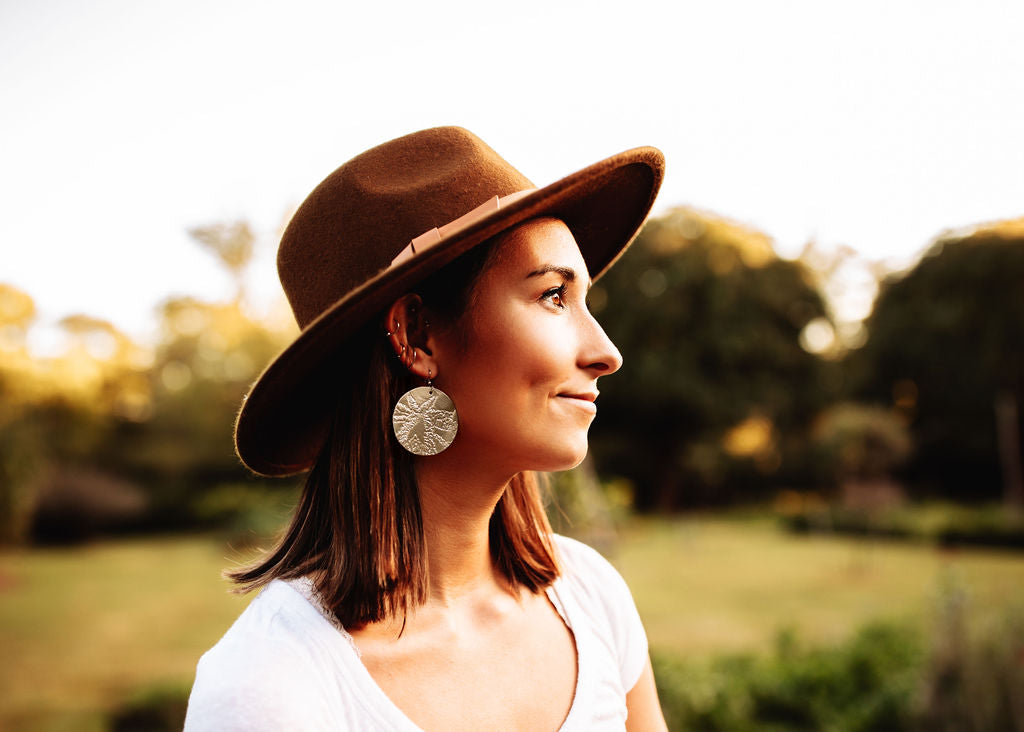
{"x": 401, "y": 354}
{"x": 405, "y": 346}
{"x": 389, "y": 333}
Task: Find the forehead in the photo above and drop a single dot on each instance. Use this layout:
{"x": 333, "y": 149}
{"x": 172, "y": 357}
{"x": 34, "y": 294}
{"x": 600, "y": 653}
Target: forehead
{"x": 537, "y": 242}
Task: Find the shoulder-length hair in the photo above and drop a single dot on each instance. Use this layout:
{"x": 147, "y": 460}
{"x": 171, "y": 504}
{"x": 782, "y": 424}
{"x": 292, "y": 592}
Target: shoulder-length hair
{"x": 358, "y": 528}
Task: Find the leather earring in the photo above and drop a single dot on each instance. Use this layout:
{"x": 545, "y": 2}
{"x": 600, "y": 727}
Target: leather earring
{"x": 425, "y": 420}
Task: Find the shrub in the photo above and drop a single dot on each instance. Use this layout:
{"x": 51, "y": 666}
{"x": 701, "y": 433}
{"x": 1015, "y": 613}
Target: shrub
{"x": 868, "y": 683}
{"x": 973, "y": 681}
{"x": 883, "y": 678}
{"x": 945, "y": 524}
{"x": 76, "y": 503}
{"x": 248, "y": 512}
{"x": 860, "y": 442}
{"x": 158, "y": 708}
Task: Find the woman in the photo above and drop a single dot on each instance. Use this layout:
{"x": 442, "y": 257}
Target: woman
{"x": 419, "y": 585}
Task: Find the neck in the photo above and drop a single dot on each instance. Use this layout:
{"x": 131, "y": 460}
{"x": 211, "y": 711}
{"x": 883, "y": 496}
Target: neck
{"x": 457, "y": 503}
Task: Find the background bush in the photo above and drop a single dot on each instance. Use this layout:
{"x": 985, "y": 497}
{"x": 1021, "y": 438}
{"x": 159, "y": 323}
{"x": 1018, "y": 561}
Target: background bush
{"x": 868, "y": 683}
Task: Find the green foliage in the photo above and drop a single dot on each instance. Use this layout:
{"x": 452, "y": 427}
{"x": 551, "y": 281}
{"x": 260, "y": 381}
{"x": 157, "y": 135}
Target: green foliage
{"x": 38, "y": 441}
{"x": 945, "y": 340}
{"x": 79, "y": 432}
{"x": 887, "y": 677}
{"x": 708, "y": 320}
{"x": 859, "y": 441}
{"x": 73, "y": 504}
{"x": 135, "y": 444}
{"x": 867, "y": 683}
{"x": 973, "y": 680}
{"x": 159, "y": 708}
{"x": 944, "y": 524}
{"x": 204, "y": 364}
{"x": 249, "y": 512}
{"x": 21, "y": 446}
{"x": 580, "y": 506}
{"x": 208, "y": 357}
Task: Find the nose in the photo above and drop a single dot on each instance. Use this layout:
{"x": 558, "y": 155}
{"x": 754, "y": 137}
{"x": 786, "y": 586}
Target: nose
{"x": 597, "y": 352}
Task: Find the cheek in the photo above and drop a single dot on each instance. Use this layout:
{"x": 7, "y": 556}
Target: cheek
{"x": 539, "y": 361}
{"x": 508, "y": 378}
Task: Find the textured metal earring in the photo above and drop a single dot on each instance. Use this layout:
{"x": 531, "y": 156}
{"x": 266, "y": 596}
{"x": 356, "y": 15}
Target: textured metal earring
{"x": 425, "y": 420}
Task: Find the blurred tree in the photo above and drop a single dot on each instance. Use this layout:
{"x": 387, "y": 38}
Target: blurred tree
{"x": 80, "y": 432}
{"x": 232, "y": 244}
{"x": 207, "y": 356}
{"x": 858, "y": 448}
{"x": 17, "y": 311}
{"x": 17, "y": 448}
{"x": 716, "y": 392}
{"x": 104, "y": 367}
{"x": 55, "y": 413}
{"x": 945, "y": 348}
{"x": 860, "y": 442}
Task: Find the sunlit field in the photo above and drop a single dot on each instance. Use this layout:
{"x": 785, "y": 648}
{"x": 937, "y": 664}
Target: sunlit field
{"x": 83, "y": 629}
{"x": 711, "y": 586}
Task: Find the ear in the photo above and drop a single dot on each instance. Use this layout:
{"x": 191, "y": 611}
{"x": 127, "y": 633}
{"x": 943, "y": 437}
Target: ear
{"x": 408, "y": 330}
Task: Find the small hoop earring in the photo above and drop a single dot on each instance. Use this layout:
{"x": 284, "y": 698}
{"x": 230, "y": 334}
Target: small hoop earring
{"x": 425, "y": 420}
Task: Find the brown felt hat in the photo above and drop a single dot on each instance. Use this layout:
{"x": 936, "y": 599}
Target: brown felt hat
{"x": 383, "y": 222}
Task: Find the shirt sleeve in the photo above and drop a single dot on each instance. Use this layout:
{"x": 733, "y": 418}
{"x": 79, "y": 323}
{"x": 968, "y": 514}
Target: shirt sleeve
{"x": 254, "y": 684}
{"x": 606, "y": 592}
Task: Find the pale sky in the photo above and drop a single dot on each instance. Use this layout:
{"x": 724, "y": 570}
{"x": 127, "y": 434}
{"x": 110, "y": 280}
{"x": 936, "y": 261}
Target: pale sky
{"x": 870, "y": 124}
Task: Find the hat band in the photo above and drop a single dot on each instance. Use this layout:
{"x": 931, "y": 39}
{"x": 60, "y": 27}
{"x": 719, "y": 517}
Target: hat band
{"x": 429, "y": 238}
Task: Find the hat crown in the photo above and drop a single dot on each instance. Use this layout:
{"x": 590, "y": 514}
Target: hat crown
{"x": 364, "y": 213}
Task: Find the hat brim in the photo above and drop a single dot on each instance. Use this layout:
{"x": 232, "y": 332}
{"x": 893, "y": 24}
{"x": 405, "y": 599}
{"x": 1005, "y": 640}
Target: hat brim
{"x": 283, "y": 420}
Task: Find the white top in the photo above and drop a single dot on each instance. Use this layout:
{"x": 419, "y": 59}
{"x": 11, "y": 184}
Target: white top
{"x": 284, "y": 665}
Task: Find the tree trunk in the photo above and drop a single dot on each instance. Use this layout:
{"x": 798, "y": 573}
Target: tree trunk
{"x": 1008, "y": 437}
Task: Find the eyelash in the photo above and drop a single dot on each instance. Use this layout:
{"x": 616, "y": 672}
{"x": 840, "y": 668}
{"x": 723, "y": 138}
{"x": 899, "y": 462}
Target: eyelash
{"x": 560, "y": 292}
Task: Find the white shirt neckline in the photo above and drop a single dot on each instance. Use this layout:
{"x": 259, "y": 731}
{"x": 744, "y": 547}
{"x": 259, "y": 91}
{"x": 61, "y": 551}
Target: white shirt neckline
{"x": 380, "y": 706}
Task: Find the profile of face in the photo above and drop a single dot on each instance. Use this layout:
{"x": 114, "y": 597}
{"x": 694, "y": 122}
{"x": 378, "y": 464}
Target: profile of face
{"x": 523, "y": 372}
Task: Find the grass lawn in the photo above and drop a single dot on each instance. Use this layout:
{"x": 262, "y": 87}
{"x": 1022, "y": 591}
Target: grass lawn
{"x": 705, "y": 587}
{"x": 82, "y": 629}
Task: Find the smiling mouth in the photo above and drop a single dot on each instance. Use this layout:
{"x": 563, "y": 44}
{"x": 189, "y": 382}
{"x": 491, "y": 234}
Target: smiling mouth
{"x": 583, "y": 401}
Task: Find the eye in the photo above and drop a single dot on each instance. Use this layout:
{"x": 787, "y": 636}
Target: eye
{"x": 556, "y": 296}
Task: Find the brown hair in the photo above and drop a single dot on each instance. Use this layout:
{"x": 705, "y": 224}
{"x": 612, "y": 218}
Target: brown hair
{"x": 358, "y": 528}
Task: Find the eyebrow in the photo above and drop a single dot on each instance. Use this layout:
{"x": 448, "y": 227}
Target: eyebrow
{"x": 567, "y": 272}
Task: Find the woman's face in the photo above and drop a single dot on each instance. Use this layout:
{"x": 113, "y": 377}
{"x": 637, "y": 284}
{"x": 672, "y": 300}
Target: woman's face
{"x": 523, "y": 372}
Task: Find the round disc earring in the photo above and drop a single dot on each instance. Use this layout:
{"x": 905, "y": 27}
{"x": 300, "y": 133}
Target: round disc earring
{"x": 425, "y": 420}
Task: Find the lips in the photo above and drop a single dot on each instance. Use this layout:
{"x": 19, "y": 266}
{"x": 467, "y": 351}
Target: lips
{"x": 583, "y": 400}
{"x": 587, "y": 396}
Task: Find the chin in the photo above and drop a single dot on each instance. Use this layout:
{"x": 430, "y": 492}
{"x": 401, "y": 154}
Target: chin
{"x": 565, "y": 459}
